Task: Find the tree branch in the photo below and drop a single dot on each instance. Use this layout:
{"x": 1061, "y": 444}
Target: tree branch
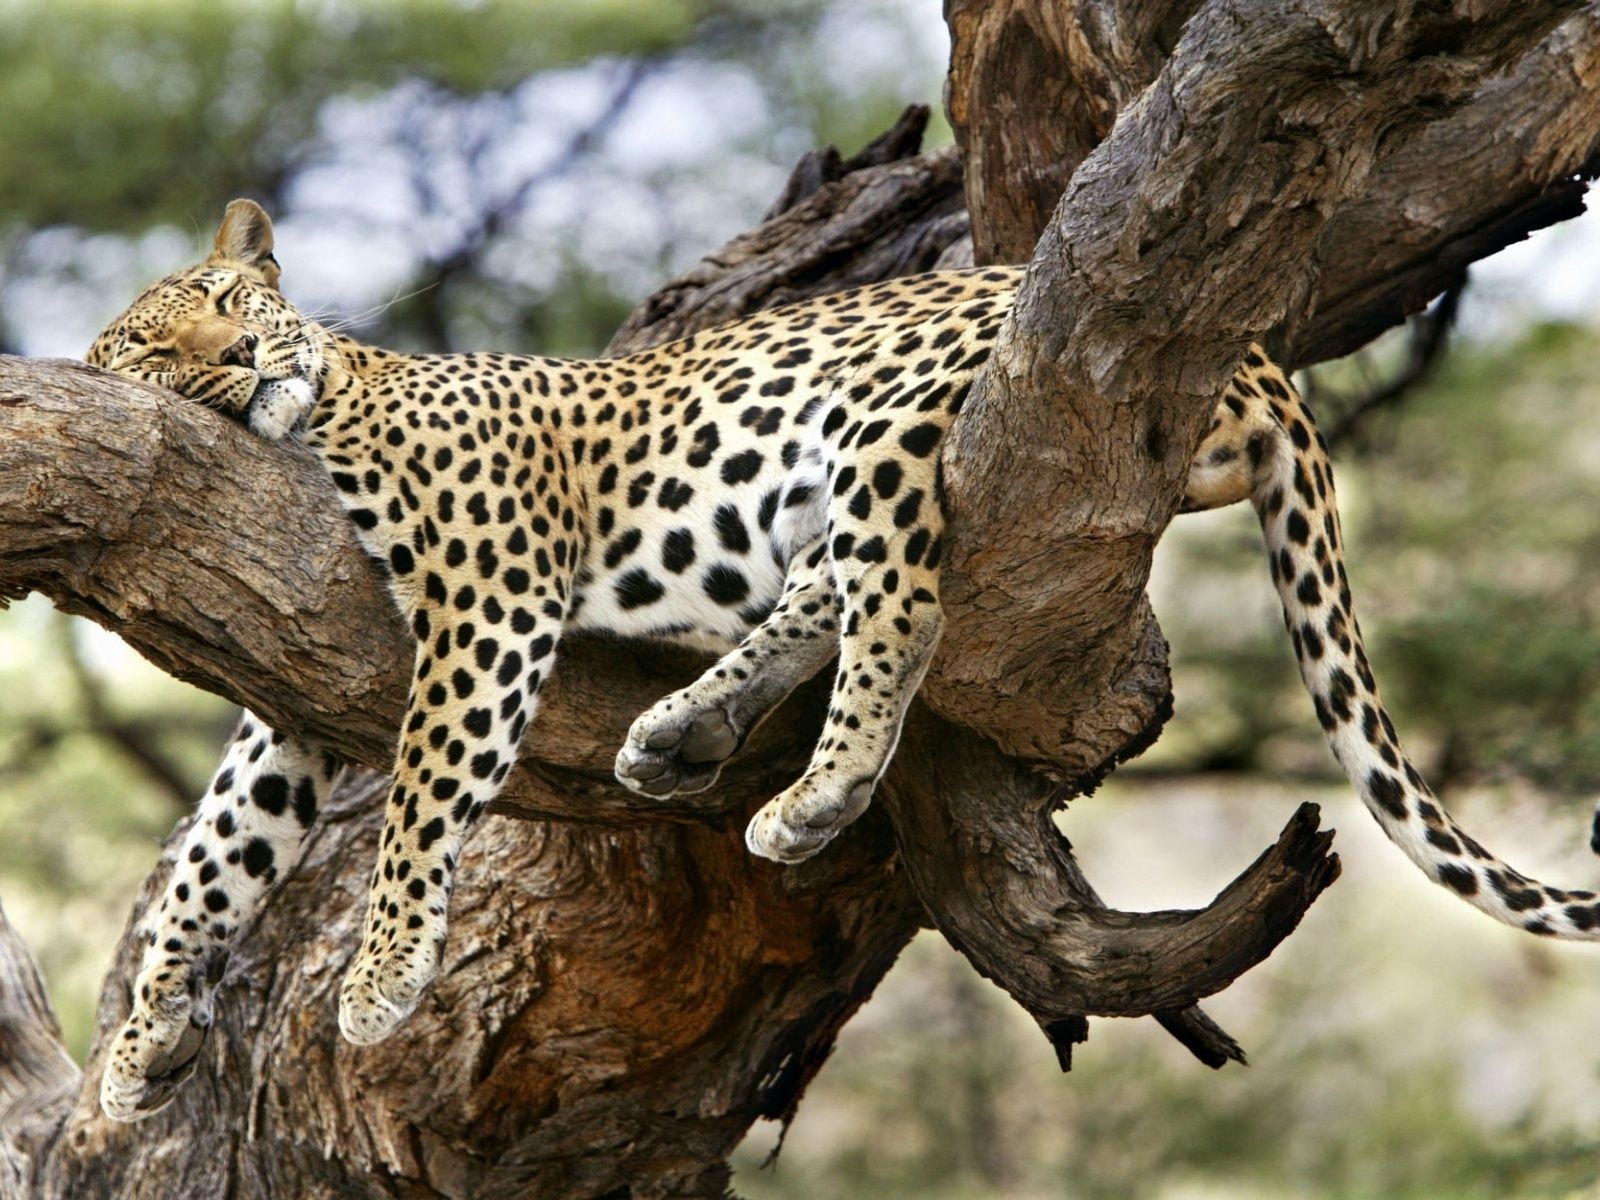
{"x": 1515, "y": 158}
{"x": 977, "y": 840}
{"x": 1163, "y": 263}
{"x": 1428, "y": 336}
{"x": 228, "y": 564}
{"x": 645, "y": 953}
{"x": 1033, "y": 88}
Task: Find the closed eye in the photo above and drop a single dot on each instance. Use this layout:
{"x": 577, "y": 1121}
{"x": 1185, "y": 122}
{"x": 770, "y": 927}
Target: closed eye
{"x": 156, "y": 358}
{"x": 224, "y": 297}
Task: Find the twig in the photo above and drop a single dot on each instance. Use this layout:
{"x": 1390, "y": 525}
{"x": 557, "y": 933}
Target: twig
{"x": 1428, "y": 336}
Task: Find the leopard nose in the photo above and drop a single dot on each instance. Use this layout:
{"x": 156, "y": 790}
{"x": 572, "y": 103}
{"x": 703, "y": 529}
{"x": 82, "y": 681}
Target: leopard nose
{"x": 242, "y": 353}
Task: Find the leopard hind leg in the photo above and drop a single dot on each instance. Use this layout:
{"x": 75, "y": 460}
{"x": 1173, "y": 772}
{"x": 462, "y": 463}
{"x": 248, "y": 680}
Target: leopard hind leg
{"x": 247, "y": 833}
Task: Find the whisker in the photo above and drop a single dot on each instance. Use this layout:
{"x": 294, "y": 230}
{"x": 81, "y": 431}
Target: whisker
{"x": 376, "y": 310}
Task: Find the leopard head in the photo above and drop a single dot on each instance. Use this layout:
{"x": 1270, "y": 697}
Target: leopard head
{"x": 221, "y": 334}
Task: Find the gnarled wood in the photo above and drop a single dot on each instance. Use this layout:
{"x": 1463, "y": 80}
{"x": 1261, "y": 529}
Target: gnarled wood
{"x": 977, "y": 840}
{"x": 615, "y": 1009}
{"x": 1514, "y": 158}
{"x": 617, "y": 1006}
{"x": 656, "y": 936}
{"x": 161, "y": 522}
{"x": 1033, "y": 88}
{"x": 1163, "y": 263}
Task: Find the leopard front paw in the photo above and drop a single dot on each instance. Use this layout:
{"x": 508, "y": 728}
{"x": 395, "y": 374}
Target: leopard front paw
{"x": 383, "y": 988}
{"x": 805, "y": 818}
{"x": 677, "y": 749}
{"x": 151, "y": 1056}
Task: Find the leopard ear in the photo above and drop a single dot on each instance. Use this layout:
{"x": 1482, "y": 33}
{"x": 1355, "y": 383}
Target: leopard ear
{"x": 244, "y": 240}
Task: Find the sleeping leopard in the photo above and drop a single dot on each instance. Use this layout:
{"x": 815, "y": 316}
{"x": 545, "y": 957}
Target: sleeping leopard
{"x": 769, "y": 487}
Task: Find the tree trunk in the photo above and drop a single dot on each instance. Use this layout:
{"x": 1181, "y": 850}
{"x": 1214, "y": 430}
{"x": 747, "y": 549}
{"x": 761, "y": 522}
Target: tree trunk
{"x": 625, "y": 990}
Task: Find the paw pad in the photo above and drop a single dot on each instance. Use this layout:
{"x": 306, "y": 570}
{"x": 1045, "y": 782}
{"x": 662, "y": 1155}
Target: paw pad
{"x": 676, "y": 750}
{"x": 144, "y": 1071}
{"x": 804, "y": 819}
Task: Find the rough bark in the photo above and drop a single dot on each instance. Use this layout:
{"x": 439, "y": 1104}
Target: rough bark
{"x": 1516, "y": 158}
{"x": 1033, "y": 88}
{"x": 598, "y": 980}
{"x": 138, "y": 520}
{"x": 1513, "y": 158}
{"x": 1162, "y": 264}
{"x": 615, "y": 1009}
{"x": 619, "y": 1002}
{"x": 37, "y": 1077}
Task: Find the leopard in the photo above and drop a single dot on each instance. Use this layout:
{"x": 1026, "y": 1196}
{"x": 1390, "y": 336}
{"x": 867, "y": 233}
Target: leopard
{"x": 769, "y": 489}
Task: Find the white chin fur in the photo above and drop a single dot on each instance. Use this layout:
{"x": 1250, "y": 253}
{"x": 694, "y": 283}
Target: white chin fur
{"x": 278, "y": 406}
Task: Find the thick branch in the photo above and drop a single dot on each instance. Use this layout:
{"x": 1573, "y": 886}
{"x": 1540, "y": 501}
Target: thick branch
{"x": 982, "y": 852}
{"x": 1165, "y": 259}
{"x": 615, "y": 1009}
{"x": 586, "y": 967}
{"x": 227, "y": 563}
{"x": 1162, "y": 261}
{"x": 1515, "y": 159}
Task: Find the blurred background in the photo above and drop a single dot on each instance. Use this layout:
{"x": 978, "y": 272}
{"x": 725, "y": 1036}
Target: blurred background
{"x": 517, "y": 176}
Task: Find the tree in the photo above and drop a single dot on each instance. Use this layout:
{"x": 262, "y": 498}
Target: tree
{"x": 625, "y": 991}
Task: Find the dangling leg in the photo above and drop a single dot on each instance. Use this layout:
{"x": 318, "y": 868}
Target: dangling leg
{"x": 474, "y": 691}
{"x": 246, "y": 836}
{"x": 886, "y": 570}
{"x": 680, "y": 744}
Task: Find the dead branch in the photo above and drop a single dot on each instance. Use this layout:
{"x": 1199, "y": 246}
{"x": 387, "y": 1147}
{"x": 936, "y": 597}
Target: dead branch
{"x": 1427, "y": 337}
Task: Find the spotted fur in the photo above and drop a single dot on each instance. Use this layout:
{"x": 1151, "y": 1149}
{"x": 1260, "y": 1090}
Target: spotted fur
{"x": 771, "y": 487}
{"x": 245, "y": 837}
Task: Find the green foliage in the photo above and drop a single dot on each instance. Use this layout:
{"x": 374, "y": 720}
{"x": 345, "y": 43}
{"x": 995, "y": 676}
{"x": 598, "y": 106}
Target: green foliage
{"x": 129, "y": 115}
